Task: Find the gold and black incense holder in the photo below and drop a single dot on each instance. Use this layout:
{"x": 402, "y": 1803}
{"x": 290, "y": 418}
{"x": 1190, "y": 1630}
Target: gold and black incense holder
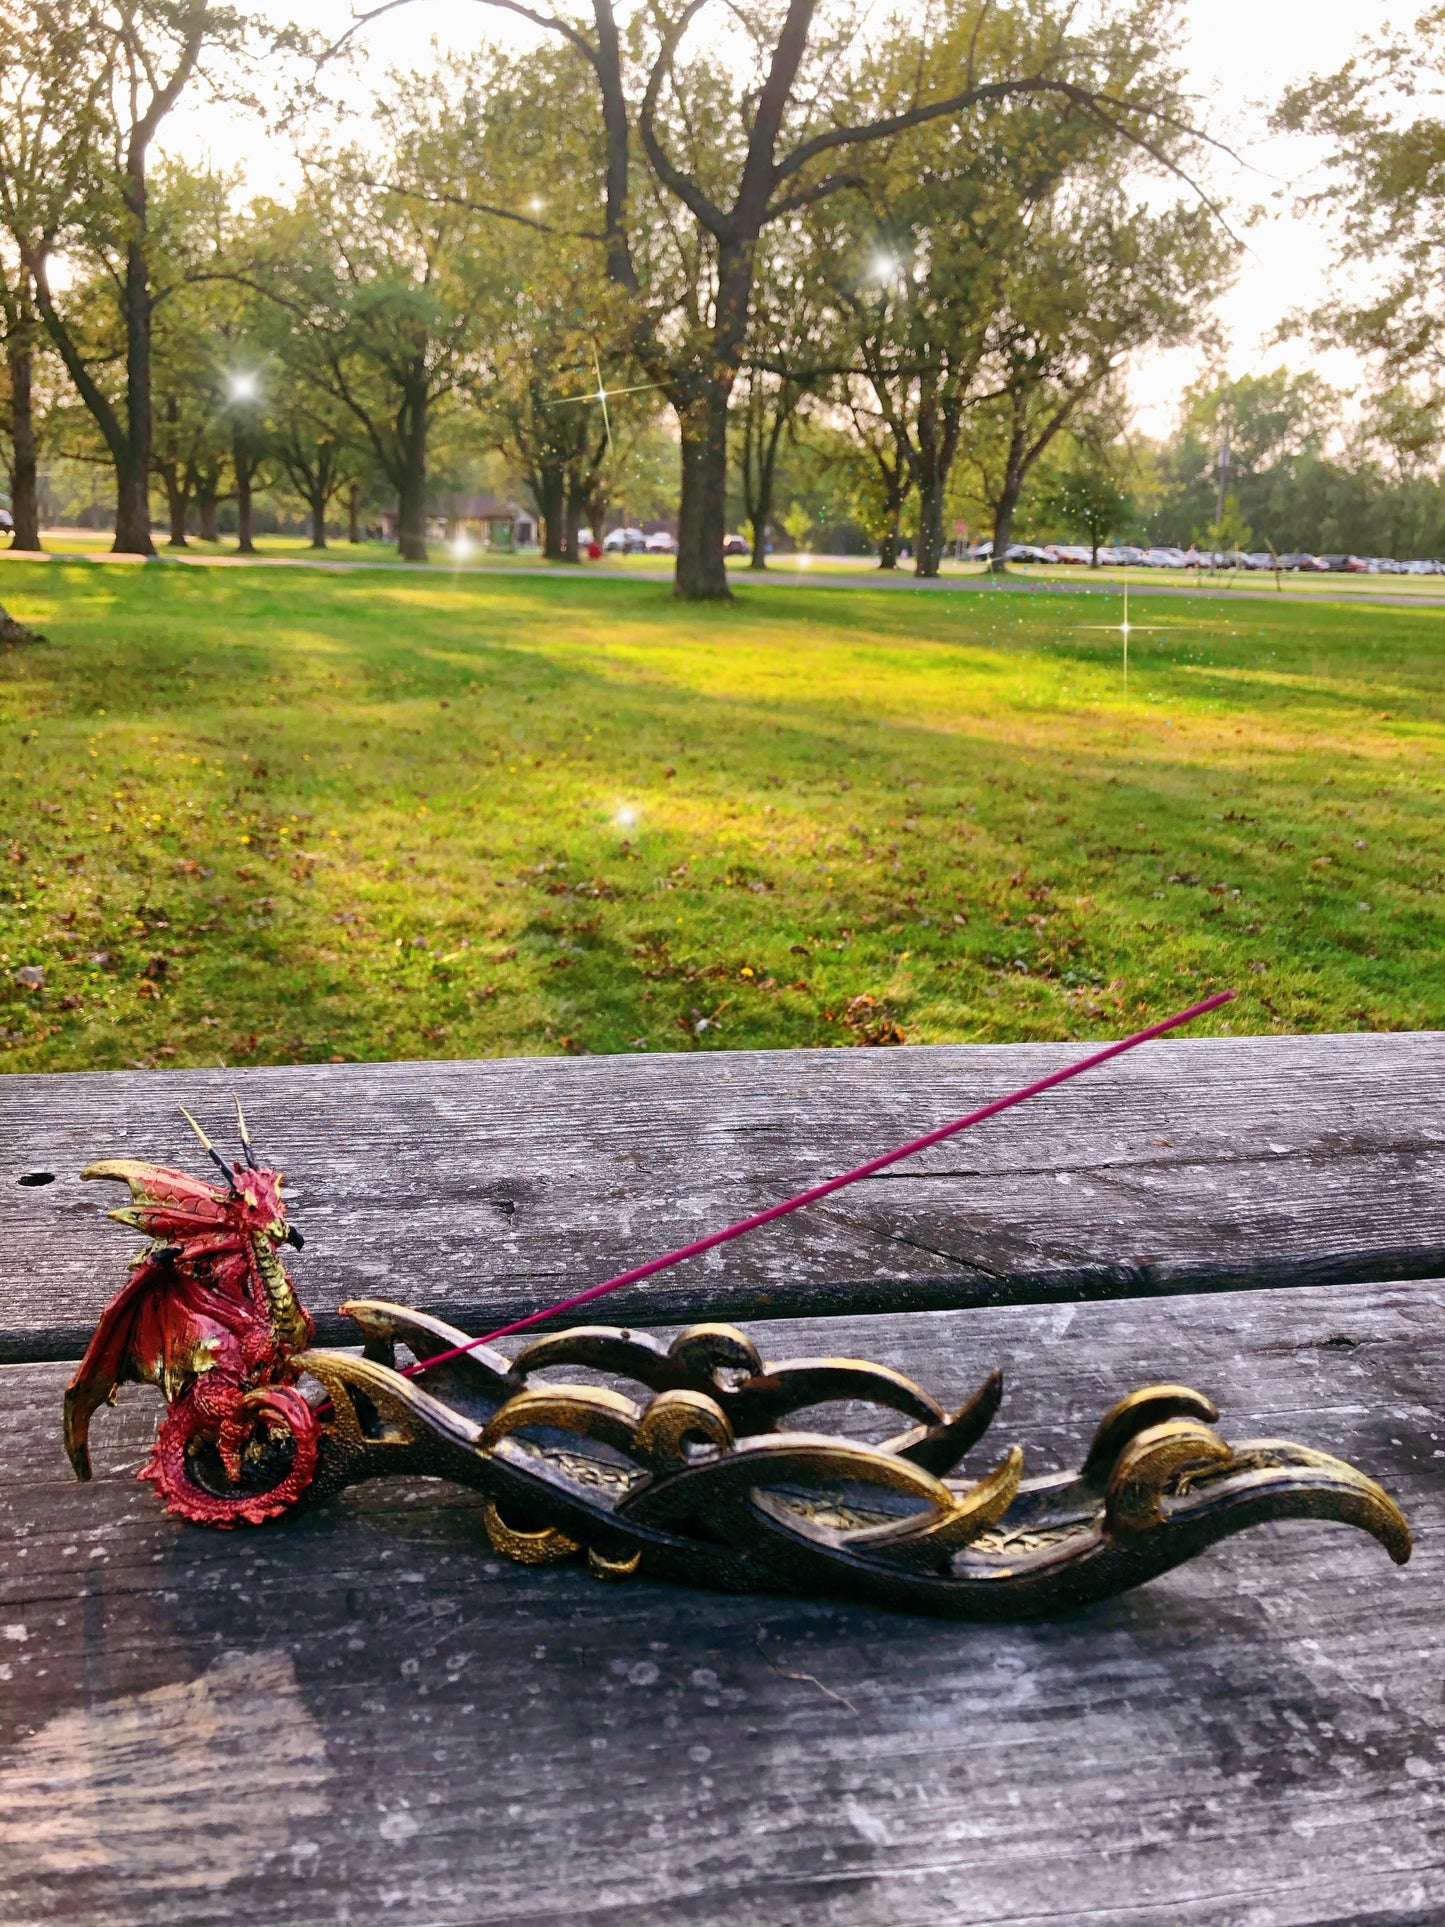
{"x": 692, "y": 1474}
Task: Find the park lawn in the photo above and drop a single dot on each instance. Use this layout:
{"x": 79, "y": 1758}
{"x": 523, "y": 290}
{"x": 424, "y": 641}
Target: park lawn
{"x": 259, "y": 815}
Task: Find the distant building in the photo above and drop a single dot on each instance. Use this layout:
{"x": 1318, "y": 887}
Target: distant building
{"x": 489, "y": 520}
{"x": 484, "y": 519}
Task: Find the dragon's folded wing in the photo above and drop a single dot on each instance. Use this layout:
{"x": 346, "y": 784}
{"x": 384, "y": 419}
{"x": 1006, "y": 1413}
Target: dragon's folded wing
{"x": 128, "y": 1344}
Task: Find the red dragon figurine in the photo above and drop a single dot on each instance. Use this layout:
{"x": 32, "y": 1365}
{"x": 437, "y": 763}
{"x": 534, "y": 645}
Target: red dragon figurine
{"x": 209, "y": 1316}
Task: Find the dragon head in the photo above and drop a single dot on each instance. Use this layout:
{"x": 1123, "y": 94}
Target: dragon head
{"x": 178, "y": 1210}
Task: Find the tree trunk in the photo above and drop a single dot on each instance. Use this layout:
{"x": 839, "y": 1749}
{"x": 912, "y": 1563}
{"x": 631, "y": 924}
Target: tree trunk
{"x": 549, "y": 486}
{"x": 888, "y": 541}
{"x": 24, "y": 496}
{"x": 702, "y": 512}
{"x": 411, "y": 437}
{"x": 574, "y": 508}
{"x": 206, "y": 500}
{"x": 411, "y": 517}
{"x": 353, "y": 515}
{"x": 1003, "y": 518}
{"x": 760, "y": 511}
{"x": 178, "y": 502}
{"x": 939, "y": 423}
{"x": 930, "y": 481}
{"x": 133, "y": 475}
{"x": 930, "y": 528}
{"x": 242, "y": 463}
{"x": 761, "y": 449}
{"x": 702, "y": 413}
{"x": 318, "y": 521}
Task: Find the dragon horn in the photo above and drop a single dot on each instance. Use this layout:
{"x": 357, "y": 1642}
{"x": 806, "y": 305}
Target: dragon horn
{"x": 249, "y": 1154}
{"x": 210, "y": 1150}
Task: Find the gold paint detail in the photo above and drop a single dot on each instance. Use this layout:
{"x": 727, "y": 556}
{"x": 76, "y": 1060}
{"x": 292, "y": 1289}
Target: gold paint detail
{"x": 613, "y": 1568}
{"x": 672, "y": 1421}
{"x": 1151, "y": 1465}
{"x": 590, "y": 1410}
{"x": 928, "y": 1543}
{"x": 544, "y": 1548}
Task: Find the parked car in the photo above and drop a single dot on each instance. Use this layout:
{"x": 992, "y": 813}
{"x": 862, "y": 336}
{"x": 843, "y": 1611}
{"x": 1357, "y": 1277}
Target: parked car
{"x": 664, "y": 544}
{"x": 736, "y": 545}
{"x": 1162, "y": 558}
{"x": 1127, "y": 557}
{"x": 981, "y": 551}
{"x": 1334, "y": 564}
{"x": 625, "y": 542}
{"x": 7, "y": 522}
{"x": 1026, "y": 552}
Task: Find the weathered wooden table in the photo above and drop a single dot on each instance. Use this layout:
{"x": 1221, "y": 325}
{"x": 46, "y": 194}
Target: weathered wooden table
{"x": 360, "y": 1715}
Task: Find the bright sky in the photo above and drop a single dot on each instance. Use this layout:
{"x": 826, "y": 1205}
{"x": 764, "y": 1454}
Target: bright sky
{"x": 1241, "y": 54}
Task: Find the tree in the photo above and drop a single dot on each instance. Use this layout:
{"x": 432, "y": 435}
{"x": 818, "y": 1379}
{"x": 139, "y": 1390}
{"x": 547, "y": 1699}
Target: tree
{"x": 556, "y": 389}
{"x": 315, "y": 447}
{"x": 1099, "y": 279}
{"x": 768, "y": 412}
{"x": 51, "y": 85}
{"x": 383, "y": 275}
{"x": 198, "y": 334}
{"x": 1276, "y": 426}
{"x": 785, "y": 362}
{"x": 145, "y": 52}
{"x": 739, "y": 141}
{"x": 1088, "y": 494}
{"x": 1385, "y": 194}
{"x": 879, "y": 465}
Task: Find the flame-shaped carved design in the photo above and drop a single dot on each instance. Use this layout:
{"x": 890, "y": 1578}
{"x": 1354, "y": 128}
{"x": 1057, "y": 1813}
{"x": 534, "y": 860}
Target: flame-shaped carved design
{"x": 695, "y": 1483}
{"x": 699, "y": 1480}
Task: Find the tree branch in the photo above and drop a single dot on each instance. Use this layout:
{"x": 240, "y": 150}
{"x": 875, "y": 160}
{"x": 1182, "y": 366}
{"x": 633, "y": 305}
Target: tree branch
{"x": 682, "y": 185}
{"x": 807, "y": 196}
{"x": 550, "y": 22}
{"x": 1033, "y": 85}
{"x": 442, "y": 199}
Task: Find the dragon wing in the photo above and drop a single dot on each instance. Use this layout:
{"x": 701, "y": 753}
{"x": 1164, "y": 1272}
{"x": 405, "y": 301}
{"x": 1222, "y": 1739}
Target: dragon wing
{"x": 128, "y": 1344}
{"x": 138, "y": 1328}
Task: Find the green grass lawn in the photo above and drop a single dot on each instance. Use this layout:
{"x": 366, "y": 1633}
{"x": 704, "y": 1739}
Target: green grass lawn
{"x": 262, "y": 815}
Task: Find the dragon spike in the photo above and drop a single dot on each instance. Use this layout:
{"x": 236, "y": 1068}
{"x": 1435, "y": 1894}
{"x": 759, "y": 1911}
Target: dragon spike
{"x": 210, "y": 1150}
{"x": 248, "y": 1153}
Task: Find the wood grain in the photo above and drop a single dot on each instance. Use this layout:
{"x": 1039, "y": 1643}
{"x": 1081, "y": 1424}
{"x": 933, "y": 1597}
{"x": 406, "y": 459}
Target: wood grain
{"x": 482, "y": 1190}
{"x": 362, "y": 1716}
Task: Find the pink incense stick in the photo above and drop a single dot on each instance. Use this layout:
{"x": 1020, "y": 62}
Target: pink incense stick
{"x": 824, "y": 1190}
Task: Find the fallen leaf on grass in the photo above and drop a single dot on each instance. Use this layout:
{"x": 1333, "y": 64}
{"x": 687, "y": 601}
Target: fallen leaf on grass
{"x": 870, "y": 1022}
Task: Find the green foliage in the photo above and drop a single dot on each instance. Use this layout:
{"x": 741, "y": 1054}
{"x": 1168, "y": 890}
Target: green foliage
{"x": 1087, "y": 494}
{"x": 1295, "y": 480}
{"x": 280, "y": 815}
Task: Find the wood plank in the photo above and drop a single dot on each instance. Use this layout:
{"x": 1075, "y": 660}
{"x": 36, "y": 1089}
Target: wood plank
{"x": 482, "y": 1190}
{"x": 362, "y": 1715}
